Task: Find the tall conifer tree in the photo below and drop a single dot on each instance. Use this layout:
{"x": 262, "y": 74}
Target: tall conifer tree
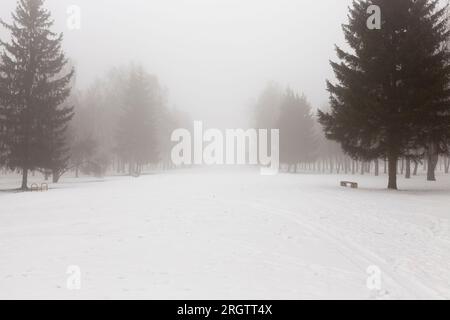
{"x": 392, "y": 90}
{"x": 33, "y": 88}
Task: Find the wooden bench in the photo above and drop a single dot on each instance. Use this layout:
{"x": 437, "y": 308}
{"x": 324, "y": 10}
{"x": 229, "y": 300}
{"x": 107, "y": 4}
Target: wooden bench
{"x": 35, "y": 187}
{"x": 346, "y": 184}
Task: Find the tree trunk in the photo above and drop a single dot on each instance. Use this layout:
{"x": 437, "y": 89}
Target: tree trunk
{"x": 377, "y": 168}
{"x": 408, "y": 168}
{"x": 56, "y": 176}
{"x": 392, "y": 172}
{"x": 447, "y": 164}
{"x": 416, "y": 167}
{"x": 433, "y": 159}
{"x": 24, "y": 179}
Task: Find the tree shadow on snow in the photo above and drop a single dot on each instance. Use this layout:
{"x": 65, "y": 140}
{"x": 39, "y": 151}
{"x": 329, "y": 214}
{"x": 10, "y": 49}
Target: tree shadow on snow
{"x": 406, "y": 191}
{"x": 16, "y": 190}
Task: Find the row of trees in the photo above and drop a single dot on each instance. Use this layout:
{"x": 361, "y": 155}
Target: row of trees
{"x": 122, "y": 121}
{"x": 304, "y": 147}
{"x": 390, "y": 101}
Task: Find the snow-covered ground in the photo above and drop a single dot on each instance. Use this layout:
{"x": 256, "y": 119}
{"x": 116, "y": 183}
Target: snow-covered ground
{"x": 197, "y": 234}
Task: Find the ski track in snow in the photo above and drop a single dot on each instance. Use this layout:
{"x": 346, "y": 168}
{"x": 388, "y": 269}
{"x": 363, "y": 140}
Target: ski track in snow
{"x": 201, "y": 234}
{"x": 361, "y": 257}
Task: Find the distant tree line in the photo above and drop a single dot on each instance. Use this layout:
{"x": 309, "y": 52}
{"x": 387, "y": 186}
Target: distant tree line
{"x": 122, "y": 123}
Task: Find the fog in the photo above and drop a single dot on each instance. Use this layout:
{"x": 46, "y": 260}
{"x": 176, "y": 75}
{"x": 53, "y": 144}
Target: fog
{"x": 191, "y": 149}
{"x": 214, "y": 57}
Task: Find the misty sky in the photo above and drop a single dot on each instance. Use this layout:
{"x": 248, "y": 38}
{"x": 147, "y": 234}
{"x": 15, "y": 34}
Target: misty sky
{"x": 214, "y": 56}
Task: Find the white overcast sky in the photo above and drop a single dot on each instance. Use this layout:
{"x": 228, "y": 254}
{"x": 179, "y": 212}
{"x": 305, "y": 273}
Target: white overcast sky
{"x": 214, "y": 56}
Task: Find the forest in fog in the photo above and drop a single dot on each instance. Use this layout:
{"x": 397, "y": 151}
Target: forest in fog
{"x": 387, "y": 114}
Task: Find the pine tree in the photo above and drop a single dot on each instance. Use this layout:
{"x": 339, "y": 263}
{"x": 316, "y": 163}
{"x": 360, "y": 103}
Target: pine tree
{"x": 137, "y": 126}
{"x": 33, "y": 88}
{"x": 297, "y": 130}
{"x": 392, "y": 93}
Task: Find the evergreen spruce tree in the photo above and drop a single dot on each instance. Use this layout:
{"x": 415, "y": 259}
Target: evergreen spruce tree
{"x": 391, "y": 95}
{"x": 33, "y": 88}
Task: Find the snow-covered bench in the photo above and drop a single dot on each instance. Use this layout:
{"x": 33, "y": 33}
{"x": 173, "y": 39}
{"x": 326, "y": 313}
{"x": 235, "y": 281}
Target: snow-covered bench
{"x": 35, "y": 187}
{"x": 353, "y": 185}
